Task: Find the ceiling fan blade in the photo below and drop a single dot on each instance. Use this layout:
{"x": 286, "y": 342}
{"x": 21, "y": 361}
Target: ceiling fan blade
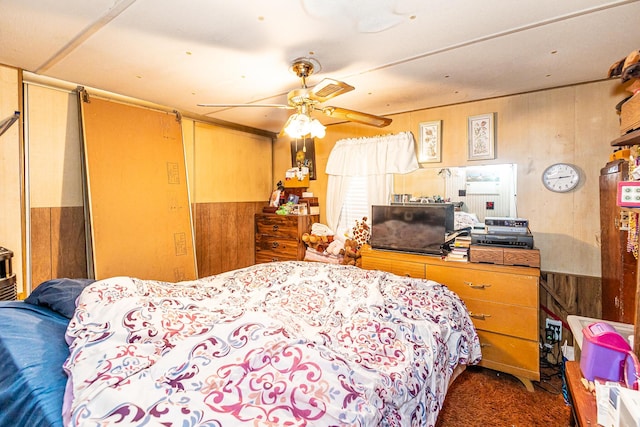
{"x": 329, "y": 88}
{"x": 288, "y": 107}
{"x": 357, "y": 116}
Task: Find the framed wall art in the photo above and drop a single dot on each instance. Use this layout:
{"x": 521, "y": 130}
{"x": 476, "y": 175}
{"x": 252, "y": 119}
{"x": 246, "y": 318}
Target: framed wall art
{"x": 303, "y": 153}
{"x": 481, "y": 137}
{"x": 430, "y": 142}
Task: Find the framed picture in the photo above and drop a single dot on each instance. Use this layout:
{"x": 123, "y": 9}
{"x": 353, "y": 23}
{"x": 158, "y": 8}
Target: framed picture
{"x": 274, "y": 201}
{"x": 481, "y": 137}
{"x": 430, "y": 142}
{"x": 303, "y": 153}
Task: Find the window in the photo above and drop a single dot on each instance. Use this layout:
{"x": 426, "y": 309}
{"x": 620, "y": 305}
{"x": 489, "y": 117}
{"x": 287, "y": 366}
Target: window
{"x": 356, "y": 205}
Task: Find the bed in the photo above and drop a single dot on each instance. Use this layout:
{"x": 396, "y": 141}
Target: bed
{"x": 287, "y": 343}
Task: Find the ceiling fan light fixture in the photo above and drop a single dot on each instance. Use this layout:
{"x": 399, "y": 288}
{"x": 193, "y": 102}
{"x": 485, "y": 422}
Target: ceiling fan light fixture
{"x": 317, "y": 129}
{"x": 300, "y": 125}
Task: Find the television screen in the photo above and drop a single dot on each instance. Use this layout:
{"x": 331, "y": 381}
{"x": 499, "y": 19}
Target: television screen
{"x": 411, "y": 228}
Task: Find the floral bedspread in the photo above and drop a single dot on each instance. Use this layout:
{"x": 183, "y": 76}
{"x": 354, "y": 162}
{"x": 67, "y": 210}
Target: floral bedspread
{"x": 279, "y": 344}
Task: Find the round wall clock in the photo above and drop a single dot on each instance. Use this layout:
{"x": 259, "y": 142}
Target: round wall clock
{"x": 561, "y": 177}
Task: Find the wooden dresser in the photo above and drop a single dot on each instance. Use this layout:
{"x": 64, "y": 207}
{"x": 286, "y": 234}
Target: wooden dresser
{"x": 279, "y": 237}
{"x": 503, "y": 301}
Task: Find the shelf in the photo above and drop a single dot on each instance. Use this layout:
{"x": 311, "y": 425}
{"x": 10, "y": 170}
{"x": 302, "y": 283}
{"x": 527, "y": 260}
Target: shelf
{"x": 631, "y": 138}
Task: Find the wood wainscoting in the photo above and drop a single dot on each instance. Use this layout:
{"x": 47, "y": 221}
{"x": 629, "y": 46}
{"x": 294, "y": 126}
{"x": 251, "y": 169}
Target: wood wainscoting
{"x": 57, "y": 244}
{"x": 565, "y": 294}
{"x": 224, "y": 239}
{"x": 224, "y": 235}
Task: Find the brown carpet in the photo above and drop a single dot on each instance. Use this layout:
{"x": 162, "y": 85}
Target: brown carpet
{"x": 482, "y": 397}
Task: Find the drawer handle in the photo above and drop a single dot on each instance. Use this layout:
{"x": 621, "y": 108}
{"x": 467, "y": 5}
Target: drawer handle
{"x": 472, "y": 286}
{"x": 484, "y": 345}
{"x": 275, "y": 245}
{"x": 275, "y": 227}
{"x": 478, "y": 316}
{"x": 274, "y": 260}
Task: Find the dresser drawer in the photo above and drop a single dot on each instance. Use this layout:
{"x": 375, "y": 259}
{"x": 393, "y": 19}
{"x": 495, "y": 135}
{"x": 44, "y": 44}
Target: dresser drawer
{"x": 508, "y": 354}
{"x": 514, "y": 320}
{"x": 277, "y": 225}
{"x": 286, "y": 248}
{"x": 271, "y": 256}
{"x": 401, "y": 268}
{"x": 506, "y": 288}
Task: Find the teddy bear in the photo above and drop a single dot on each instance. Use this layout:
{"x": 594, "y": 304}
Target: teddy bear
{"x": 350, "y": 253}
{"x": 318, "y": 243}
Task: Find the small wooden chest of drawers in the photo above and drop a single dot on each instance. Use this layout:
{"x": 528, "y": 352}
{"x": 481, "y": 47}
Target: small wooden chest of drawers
{"x": 279, "y": 237}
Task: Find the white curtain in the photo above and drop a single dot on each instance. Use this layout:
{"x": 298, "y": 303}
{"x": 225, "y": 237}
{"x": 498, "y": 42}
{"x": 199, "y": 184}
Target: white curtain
{"x": 377, "y": 158}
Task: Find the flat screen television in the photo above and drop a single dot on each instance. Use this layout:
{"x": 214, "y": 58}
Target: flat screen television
{"x": 420, "y": 228}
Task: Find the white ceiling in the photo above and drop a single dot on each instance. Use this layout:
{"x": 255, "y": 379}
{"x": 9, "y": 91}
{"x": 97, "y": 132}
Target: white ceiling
{"x": 400, "y": 55}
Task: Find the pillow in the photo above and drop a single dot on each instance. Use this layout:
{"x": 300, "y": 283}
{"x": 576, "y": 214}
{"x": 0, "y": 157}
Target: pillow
{"x": 59, "y": 295}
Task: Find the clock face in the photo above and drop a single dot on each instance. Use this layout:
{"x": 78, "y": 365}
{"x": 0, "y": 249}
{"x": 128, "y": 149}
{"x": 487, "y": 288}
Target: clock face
{"x": 561, "y": 177}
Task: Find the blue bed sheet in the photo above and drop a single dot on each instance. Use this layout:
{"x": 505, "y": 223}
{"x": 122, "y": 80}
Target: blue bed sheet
{"x": 32, "y": 351}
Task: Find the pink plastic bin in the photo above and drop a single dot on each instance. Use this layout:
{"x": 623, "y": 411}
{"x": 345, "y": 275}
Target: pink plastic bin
{"x": 603, "y": 352}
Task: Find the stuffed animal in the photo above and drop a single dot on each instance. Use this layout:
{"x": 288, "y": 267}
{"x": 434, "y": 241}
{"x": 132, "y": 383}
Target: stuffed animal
{"x": 351, "y": 253}
{"x": 319, "y": 237}
{"x": 335, "y": 248}
{"x": 361, "y": 232}
{"x": 319, "y": 243}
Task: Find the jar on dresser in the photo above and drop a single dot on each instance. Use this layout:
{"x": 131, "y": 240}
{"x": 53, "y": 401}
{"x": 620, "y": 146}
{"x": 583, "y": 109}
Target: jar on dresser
{"x": 279, "y": 237}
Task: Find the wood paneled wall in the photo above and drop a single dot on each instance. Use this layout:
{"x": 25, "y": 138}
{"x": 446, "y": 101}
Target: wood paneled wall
{"x": 57, "y": 244}
{"x": 565, "y": 294}
{"x": 225, "y": 235}
{"x": 224, "y": 238}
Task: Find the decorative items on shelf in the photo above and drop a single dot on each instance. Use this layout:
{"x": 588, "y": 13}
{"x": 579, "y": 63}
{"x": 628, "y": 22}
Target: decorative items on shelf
{"x": 297, "y": 177}
{"x": 628, "y": 196}
{"x": 628, "y": 70}
{"x": 632, "y": 236}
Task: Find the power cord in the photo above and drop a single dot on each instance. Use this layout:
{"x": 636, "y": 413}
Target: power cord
{"x": 551, "y": 365}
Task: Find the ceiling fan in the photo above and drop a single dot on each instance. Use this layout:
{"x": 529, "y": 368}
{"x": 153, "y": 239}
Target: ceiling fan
{"x": 305, "y": 100}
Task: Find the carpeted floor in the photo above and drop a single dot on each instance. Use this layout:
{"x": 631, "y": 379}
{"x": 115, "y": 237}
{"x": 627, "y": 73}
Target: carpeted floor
{"x": 482, "y": 397}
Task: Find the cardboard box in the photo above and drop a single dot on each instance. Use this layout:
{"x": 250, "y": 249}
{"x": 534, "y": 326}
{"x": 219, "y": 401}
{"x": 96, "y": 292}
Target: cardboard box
{"x": 296, "y": 183}
{"x": 630, "y": 115}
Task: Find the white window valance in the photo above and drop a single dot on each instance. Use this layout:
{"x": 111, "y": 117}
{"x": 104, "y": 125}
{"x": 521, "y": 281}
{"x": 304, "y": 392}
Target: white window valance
{"x": 385, "y": 154}
{"x": 376, "y": 159}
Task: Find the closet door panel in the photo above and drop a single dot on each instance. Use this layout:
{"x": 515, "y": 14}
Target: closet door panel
{"x": 137, "y": 192}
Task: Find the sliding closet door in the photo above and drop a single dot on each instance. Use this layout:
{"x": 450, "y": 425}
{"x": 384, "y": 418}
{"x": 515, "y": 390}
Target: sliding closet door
{"x": 137, "y": 192}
